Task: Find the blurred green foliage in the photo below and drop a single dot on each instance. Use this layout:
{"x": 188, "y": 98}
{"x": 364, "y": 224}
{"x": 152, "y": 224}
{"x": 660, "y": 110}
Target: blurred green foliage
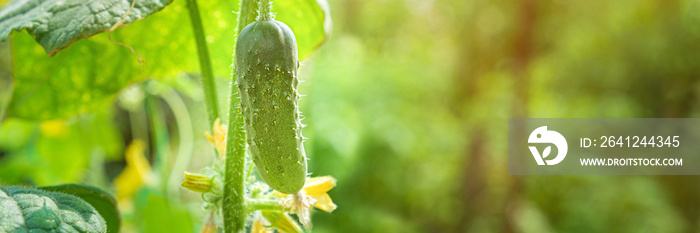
{"x": 407, "y": 105}
{"x": 408, "y": 108}
{"x": 86, "y": 76}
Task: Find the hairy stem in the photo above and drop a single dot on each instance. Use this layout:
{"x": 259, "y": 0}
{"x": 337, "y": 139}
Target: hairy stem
{"x": 247, "y": 14}
{"x": 265, "y": 10}
{"x": 234, "y": 181}
{"x": 233, "y": 207}
{"x": 208, "y": 84}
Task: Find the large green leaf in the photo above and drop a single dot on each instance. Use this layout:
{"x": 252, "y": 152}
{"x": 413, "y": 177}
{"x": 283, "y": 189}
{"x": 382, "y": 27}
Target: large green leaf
{"x": 37, "y": 152}
{"x": 87, "y": 75}
{"x": 310, "y": 20}
{"x": 55, "y": 24}
{"x": 33, "y": 210}
{"x": 102, "y": 201}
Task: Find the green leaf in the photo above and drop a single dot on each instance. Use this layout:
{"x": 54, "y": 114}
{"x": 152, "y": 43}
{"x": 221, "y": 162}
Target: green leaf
{"x": 87, "y": 75}
{"x": 37, "y": 151}
{"x": 310, "y": 20}
{"x": 10, "y": 214}
{"x": 156, "y": 214}
{"x": 102, "y": 201}
{"x": 55, "y": 24}
{"x": 32, "y": 210}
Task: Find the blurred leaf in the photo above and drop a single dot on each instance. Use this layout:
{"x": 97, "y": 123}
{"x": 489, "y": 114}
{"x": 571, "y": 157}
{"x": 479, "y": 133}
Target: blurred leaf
{"x": 102, "y": 201}
{"x": 310, "y": 20}
{"x": 157, "y": 214}
{"x": 55, "y": 24}
{"x": 101, "y": 131}
{"x": 33, "y": 210}
{"x": 15, "y": 133}
{"x": 56, "y": 151}
{"x": 62, "y": 152}
{"x": 87, "y": 75}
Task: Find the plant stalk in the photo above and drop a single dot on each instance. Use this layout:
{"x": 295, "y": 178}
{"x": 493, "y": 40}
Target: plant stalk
{"x": 208, "y": 84}
{"x": 265, "y": 10}
{"x": 262, "y": 204}
{"x": 159, "y": 137}
{"x": 233, "y": 207}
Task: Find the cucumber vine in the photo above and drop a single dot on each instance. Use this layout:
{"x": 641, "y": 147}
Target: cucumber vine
{"x": 240, "y": 196}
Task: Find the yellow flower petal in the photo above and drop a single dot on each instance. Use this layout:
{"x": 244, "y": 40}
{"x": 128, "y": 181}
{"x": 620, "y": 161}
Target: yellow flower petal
{"x": 257, "y": 227}
{"x": 325, "y": 203}
{"x": 210, "y": 226}
{"x": 127, "y": 183}
{"x": 208, "y": 229}
{"x": 136, "y": 173}
{"x": 219, "y": 137}
{"x": 197, "y": 182}
{"x": 278, "y": 194}
{"x": 211, "y": 138}
{"x": 319, "y": 185}
{"x": 313, "y": 194}
{"x": 54, "y": 128}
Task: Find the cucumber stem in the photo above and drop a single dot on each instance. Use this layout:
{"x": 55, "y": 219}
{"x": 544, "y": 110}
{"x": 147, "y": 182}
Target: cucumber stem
{"x": 233, "y": 207}
{"x": 262, "y": 204}
{"x": 208, "y": 84}
{"x": 265, "y": 12}
{"x": 234, "y": 201}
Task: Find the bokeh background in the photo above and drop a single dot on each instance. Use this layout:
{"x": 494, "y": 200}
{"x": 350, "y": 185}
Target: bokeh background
{"x": 407, "y": 105}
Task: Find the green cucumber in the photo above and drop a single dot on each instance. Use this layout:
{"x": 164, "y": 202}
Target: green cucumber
{"x": 266, "y": 66}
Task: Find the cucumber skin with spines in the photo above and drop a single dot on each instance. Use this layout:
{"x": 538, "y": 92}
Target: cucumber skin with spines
{"x": 266, "y": 66}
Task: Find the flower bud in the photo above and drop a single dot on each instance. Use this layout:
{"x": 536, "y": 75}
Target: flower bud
{"x": 197, "y": 183}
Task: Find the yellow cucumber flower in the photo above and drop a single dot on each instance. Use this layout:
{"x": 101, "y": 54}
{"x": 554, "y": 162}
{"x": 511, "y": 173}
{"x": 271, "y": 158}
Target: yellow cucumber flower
{"x": 136, "y": 173}
{"x": 210, "y": 225}
{"x": 219, "y": 138}
{"x": 197, "y": 182}
{"x": 318, "y": 188}
{"x": 314, "y": 194}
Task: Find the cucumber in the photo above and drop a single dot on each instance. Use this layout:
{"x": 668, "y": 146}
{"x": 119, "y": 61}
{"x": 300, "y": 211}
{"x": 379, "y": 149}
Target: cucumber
{"x": 266, "y": 66}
